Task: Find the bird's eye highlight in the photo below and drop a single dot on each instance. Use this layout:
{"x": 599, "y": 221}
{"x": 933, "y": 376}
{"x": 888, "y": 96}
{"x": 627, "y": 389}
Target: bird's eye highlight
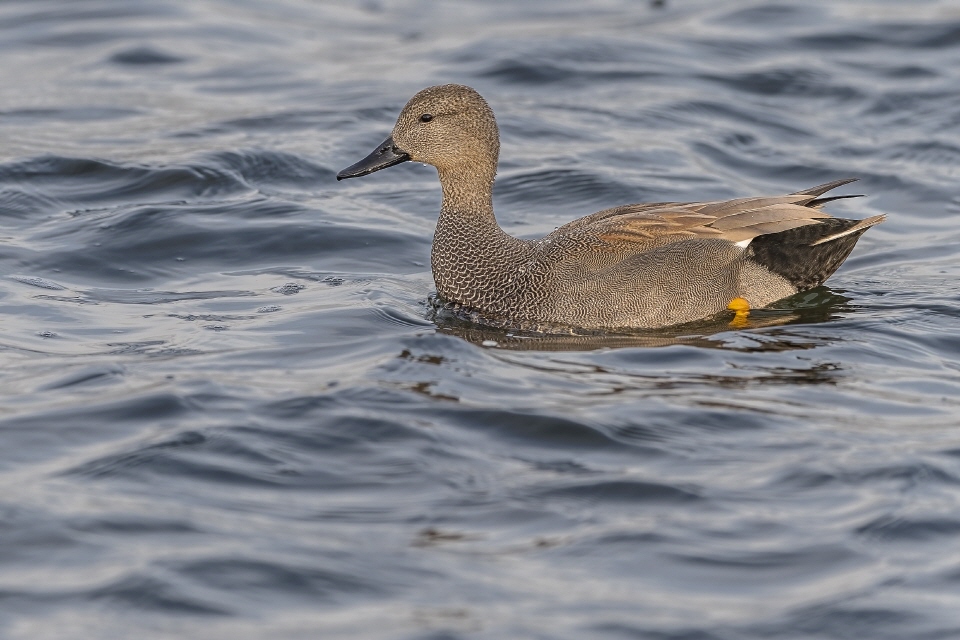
{"x": 426, "y": 117}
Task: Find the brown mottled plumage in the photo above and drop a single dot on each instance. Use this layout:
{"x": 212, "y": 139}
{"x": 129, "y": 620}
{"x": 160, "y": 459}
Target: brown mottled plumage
{"x": 639, "y": 265}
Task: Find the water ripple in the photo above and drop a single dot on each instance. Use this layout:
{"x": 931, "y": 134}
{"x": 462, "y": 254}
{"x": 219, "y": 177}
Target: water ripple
{"x": 231, "y": 407}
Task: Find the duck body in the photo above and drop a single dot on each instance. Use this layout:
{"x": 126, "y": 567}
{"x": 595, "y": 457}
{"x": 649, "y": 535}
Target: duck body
{"x": 635, "y": 266}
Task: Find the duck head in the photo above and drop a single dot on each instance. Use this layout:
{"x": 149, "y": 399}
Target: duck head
{"x": 448, "y": 126}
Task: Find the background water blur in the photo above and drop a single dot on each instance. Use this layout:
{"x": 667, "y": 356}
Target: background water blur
{"x": 227, "y": 411}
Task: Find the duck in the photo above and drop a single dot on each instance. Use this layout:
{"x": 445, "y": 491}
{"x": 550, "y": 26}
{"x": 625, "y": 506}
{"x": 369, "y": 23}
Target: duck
{"x": 633, "y": 266}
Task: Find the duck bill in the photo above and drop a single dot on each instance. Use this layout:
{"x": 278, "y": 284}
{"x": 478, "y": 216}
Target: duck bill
{"x": 385, "y": 155}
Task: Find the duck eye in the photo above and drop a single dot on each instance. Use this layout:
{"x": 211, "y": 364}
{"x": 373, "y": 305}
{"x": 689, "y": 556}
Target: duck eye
{"x": 426, "y": 117}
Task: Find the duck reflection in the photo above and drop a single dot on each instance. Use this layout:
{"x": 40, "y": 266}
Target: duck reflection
{"x": 724, "y": 331}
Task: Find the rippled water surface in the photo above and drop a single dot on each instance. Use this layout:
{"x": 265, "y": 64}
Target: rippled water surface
{"x": 228, "y": 409}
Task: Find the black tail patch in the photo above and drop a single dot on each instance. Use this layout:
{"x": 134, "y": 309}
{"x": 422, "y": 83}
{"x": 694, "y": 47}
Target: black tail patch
{"x": 794, "y": 255}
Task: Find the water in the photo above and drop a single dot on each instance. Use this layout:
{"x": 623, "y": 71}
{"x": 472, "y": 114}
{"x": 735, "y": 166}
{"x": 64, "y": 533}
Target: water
{"x": 229, "y": 410}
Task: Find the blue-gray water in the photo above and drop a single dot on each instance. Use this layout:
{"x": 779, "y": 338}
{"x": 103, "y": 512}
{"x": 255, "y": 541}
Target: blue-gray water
{"x": 227, "y": 410}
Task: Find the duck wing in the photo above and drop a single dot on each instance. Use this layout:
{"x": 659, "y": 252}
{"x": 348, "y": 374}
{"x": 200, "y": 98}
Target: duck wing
{"x": 634, "y": 228}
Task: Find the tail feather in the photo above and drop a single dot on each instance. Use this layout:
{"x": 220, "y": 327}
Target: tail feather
{"x": 858, "y": 228}
{"x": 821, "y": 189}
{"x": 819, "y": 202}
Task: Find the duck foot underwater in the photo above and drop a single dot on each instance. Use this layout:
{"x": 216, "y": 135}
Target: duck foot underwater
{"x": 639, "y": 266}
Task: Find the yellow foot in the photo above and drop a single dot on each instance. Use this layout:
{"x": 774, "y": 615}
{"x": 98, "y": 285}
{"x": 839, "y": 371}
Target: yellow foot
{"x": 742, "y": 310}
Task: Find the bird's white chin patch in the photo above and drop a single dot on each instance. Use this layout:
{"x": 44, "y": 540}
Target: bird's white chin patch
{"x": 744, "y": 243}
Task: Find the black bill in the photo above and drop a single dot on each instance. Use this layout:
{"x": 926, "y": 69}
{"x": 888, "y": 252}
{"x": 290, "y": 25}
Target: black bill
{"x": 386, "y": 155}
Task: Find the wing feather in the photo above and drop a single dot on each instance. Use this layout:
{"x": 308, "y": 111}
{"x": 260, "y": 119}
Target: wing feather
{"x": 637, "y": 227}
{"x": 771, "y": 213}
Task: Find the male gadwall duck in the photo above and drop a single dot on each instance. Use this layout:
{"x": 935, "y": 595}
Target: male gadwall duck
{"x": 634, "y": 266}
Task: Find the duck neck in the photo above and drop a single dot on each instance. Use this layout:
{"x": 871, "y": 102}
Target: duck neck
{"x": 471, "y": 253}
{"x": 468, "y": 201}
